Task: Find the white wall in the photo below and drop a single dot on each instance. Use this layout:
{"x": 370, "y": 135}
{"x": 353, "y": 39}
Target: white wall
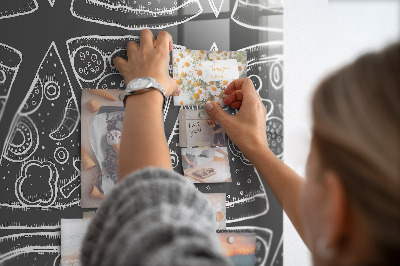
{"x": 320, "y": 36}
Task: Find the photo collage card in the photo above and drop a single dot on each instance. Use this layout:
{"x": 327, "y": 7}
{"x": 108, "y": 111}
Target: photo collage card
{"x": 203, "y": 147}
{"x": 204, "y": 75}
{"x": 101, "y": 124}
{"x": 240, "y": 248}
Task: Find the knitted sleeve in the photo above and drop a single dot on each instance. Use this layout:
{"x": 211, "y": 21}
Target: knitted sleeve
{"x": 153, "y": 217}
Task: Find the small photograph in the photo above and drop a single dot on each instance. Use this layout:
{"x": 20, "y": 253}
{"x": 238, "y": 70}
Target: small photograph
{"x": 198, "y": 129}
{"x": 204, "y": 75}
{"x": 72, "y": 234}
{"x": 206, "y": 165}
{"x": 102, "y": 116}
{"x": 218, "y": 201}
{"x": 239, "y": 247}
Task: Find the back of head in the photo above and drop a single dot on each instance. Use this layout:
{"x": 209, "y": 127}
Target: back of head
{"x": 356, "y": 114}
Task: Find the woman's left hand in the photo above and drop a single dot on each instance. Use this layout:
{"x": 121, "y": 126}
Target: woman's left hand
{"x": 149, "y": 59}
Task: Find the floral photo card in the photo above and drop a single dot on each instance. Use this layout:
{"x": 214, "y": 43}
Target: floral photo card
{"x": 204, "y": 75}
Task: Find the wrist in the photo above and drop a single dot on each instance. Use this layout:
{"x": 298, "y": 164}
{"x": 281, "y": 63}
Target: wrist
{"x": 150, "y": 98}
{"x": 258, "y": 153}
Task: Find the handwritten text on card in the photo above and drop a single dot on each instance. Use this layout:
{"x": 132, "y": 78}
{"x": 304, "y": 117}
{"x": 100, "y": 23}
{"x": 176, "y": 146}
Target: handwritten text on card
{"x": 217, "y": 70}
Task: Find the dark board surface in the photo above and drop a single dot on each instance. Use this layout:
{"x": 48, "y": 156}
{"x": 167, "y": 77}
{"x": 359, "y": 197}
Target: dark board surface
{"x": 40, "y": 89}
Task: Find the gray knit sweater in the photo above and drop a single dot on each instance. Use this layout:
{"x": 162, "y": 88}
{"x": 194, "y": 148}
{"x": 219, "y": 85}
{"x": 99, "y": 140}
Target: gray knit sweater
{"x": 154, "y": 217}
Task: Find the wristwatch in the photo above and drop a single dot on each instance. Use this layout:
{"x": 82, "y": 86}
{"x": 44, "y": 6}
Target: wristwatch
{"x": 141, "y": 84}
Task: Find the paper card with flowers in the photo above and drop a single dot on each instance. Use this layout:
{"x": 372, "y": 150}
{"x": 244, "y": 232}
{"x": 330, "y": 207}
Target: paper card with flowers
{"x": 204, "y": 75}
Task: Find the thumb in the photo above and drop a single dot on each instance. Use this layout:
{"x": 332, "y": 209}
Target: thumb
{"x": 218, "y": 113}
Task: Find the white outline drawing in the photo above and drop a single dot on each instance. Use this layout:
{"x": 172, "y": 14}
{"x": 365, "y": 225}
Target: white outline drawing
{"x": 268, "y": 131}
{"x": 247, "y": 8}
{"x": 252, "y": 197}
{"x": 216, "y": 10}
{"x": 51, "y": 2}
{"x": 214, "y": 47}
{"x": 102, "y": 83}
{"x": 61, "y": 155}
{"x": 14, "y": 68}
{"x": 68, "y": 188}
{"x": 18, "y": 235}
{"x": 74, "y": 54}
{"x": 57, "y": 260}
{"x": 124, "y": 10}
{"x": 274, "y": 75}
{"x": 21, "y": 152}
{"x": 23, "y": 227}
{"x": 52, "y": 181}
{"x": 28, "y": 249}
{"x": 262, "y": 52}
{"x": 3, "y": 77}
{"x": 103, "y": 45}
{"x": 33, "y": 2}
{"x": 69, "y": 121}
{"x": 276, "y": 251}
{"x": 19, "y": 115}
{"x": 38, "y": 90}
{"x": 51, "y": 83}
{"x": 174, "y": 158}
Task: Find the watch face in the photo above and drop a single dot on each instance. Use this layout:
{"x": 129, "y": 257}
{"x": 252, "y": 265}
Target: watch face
{"x": 140, "y": 83}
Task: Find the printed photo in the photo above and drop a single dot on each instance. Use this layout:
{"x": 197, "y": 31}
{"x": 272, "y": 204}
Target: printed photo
{"x": 72, "y": 233}
{"x": 204, "y": 75}
{"x": 202, "y": 165}
{"x": 101, "y": 124}
{"x": 198, "y": 129}
{"x": 218, "y": 201}
{"x": 239, "y": 247}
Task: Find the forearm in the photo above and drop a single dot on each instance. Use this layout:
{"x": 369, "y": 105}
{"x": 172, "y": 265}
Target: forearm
{"x": 285, "y": 183}
{"x": 143, "y": 141}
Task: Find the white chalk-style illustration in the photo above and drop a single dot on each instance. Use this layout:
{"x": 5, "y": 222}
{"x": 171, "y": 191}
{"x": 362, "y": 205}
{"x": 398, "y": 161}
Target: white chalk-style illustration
{"x": 265, "y": 69}
{"x": 249, "y": 197}
{"x": 92, "y": 58}
{"x": 41, "y": 157}
{"x": 51, "y": 2}
{"x": 216, "y": 6}
{"x": 27, "y": 247}
{"x": 10, "y": 60}
{"x": 214, "y": 47}
{"x": 247, "y": 13}
{"x": 136, "y": 14}
{"x": 14, "y": 8}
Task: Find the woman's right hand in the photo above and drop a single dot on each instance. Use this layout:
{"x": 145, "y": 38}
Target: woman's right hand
{"x": 247, "y": 128}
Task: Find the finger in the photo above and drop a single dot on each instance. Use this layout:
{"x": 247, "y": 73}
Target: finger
{"x": 146, "y": 40}
{"x": 235, "y": 96}
{"x": 131, "y": 48}
{"x": 164, "y": 39}
{"x": 178, "y": 91}
{"x": 245, "y": 85}
{"x": 120, "y": 63}
{"x": 236, "y": 104}
{"x": 217, "y": 113}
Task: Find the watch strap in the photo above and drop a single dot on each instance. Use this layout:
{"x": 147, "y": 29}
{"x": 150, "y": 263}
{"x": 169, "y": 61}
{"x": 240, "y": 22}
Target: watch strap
{"x": 154, "y": 86}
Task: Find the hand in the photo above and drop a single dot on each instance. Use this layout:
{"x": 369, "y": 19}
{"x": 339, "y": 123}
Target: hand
{"x": 150, "y": 59}
{"x": 247, "y": 129}
{"x": 192, "y": 164}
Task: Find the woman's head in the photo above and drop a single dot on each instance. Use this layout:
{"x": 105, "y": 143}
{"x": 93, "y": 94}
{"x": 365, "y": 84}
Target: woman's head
{"x": 352, "y": 193}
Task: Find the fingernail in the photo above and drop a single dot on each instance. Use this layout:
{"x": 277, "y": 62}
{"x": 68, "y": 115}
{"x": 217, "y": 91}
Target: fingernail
{"x": 209, "y": 106}
{"x": 179, "y": 90}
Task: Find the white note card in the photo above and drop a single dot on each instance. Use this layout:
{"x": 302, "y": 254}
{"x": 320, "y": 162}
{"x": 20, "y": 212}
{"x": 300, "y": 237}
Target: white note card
{"x": 217, "y": 70}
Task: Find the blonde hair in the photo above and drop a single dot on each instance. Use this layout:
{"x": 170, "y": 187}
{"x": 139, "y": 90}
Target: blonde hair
{"x": 356, "y": 113}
